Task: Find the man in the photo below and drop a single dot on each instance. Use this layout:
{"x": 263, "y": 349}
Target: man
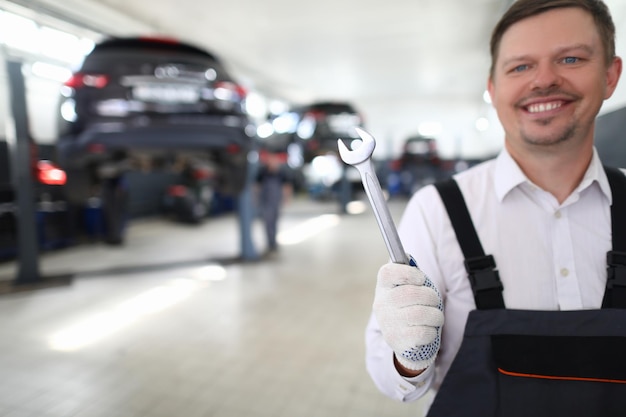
{"x": 273, "y": 190}
{"x": 530, "y": 284}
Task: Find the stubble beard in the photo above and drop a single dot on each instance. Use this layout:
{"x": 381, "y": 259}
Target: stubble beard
{"x": 550, "y": 139}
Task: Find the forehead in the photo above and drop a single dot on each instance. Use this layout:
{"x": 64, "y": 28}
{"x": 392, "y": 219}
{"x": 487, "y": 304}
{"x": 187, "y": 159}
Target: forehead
{"x": 548, "y": 32}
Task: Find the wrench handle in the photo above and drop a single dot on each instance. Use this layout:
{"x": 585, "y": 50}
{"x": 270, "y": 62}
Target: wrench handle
{"x": 383, "y": 217}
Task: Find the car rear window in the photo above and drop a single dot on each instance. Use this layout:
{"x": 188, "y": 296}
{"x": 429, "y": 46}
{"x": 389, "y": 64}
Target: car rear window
{"x": 128, "y": 56}
{"x": 332, "y": 108}
{"x": 150, "y": 43}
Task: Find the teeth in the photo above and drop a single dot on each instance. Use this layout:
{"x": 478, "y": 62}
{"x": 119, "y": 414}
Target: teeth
{"x": 536, "y": 108}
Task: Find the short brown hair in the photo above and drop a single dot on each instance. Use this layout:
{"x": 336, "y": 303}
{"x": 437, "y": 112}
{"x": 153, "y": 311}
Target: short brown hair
{"x": 522, "y": 9}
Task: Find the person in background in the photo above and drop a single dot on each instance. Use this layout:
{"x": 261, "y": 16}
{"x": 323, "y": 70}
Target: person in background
{"x": 274, "y": 189}
{"x": 518, "y": 302}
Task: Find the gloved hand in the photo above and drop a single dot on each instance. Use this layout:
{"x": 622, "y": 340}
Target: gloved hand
{"x": 409, "y": 311}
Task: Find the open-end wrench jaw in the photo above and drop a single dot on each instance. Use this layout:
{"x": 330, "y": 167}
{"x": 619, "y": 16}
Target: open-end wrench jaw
{"x": 361, "y": 159}
{"x": 360, "y": 154}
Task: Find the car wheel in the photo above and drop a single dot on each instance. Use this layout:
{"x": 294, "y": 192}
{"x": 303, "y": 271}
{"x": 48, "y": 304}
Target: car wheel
{"x": 195, "y": 205}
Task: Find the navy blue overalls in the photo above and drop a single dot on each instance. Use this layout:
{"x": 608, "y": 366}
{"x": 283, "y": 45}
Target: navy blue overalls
{"x": 537, "y": 363}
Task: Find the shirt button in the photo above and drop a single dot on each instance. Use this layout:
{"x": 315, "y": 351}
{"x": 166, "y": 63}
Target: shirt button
{"x": 557, "y": 214}
{"x": 564, "y": 272}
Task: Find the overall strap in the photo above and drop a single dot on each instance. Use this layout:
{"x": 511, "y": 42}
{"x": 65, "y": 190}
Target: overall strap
{"x": 481, "y": 268}
{"x": 615, "y": 294}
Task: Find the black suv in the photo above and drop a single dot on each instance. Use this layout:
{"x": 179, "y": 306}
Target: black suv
{"x": 150, "y": 103}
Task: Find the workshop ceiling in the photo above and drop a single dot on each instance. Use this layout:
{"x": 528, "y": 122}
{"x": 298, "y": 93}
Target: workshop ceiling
{"x": 422, "y": 56}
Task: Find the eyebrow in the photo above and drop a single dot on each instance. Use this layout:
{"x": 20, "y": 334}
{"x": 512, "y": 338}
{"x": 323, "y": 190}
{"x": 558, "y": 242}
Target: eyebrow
{"x": 564, "y": 50}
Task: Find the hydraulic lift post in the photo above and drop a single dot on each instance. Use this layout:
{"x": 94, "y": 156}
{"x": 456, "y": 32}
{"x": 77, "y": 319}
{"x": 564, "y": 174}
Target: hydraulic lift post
{"x": 28, "y": 248}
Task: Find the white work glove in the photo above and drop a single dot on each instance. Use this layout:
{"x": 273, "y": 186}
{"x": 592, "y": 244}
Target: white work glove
{"x": 409, "y": 311}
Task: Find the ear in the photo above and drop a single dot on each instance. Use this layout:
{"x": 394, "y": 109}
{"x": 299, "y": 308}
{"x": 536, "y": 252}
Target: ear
{"x": 613, "y": 73}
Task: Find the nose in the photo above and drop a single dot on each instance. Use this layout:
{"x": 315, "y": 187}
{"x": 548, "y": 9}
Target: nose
{"x": 546, "y": 76}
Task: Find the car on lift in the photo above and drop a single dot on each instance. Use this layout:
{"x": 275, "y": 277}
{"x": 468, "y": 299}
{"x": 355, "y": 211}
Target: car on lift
{"x": 418, "y": 165}
{"x": 314, "y": 128}
{"x": 150, "y": 103}
{"x": 322, "y": 123}
{"x": 308, "y": 134}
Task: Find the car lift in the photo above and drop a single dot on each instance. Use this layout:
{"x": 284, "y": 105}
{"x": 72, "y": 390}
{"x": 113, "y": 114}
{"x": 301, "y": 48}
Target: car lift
{"x": 28, "y": 273}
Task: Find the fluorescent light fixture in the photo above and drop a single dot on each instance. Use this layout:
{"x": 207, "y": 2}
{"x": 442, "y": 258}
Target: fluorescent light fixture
{"x": 256, "y": 105}
{"x": 59, "y": 45}
{"x": 286, "y": 122}
{"x": 277, "y": 106}
{"x": 264, "y": 130}
{"x": 19, "y": 32}
{"x": 50, "y": 71}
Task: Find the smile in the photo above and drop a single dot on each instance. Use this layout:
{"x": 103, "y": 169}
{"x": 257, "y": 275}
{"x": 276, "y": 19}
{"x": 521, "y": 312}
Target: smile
{"x": 543, "y": 107}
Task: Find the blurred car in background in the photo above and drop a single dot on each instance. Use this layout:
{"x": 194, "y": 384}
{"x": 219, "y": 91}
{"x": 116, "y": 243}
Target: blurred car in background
{"x": 308, "y": 134}
{"x": 327, "y": 176}
{"x": 314, "y": 128}
{"x": 418, "y": 165}
{"x": 150, "y": 103}
{"x": 321, "y": 124}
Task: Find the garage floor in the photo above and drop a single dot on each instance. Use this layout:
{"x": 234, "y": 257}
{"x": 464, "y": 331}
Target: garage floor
{"x": 175, "y": 324}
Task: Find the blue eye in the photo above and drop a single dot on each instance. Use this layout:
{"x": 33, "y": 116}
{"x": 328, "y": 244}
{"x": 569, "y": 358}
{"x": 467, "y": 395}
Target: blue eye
{"x": 520, "y": 68}
{"x": 570, "y": 60}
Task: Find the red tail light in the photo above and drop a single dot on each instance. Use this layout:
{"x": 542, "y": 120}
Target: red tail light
{"x": 49, "y": 174}
{"x": 202, "y": 174}
{"x": 177, "y": 191}
{"x": 316, "y": 114}
{"x": 80, "y": 80}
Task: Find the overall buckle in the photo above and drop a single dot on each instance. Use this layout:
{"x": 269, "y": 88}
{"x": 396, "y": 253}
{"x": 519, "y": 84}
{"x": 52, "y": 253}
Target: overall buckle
{"x": 482, "y": 273}
{"x": 616, "y": 269}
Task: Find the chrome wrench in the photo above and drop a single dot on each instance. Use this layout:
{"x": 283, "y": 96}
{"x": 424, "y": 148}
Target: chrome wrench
{"x": 360, "y": 158}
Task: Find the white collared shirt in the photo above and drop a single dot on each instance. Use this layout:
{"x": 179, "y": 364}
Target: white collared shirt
{"x": 550, "y": 256}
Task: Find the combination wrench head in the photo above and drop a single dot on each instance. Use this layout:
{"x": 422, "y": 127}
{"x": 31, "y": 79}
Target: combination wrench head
{"x": 360, "y": 154}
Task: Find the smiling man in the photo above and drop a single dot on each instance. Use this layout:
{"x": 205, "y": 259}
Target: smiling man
{"x": 550, "y": 75}
{"x": 528, "y": 251}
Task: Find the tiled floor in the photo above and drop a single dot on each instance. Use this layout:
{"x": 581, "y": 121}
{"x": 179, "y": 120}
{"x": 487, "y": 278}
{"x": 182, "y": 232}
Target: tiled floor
{"x": 173, "y": 325}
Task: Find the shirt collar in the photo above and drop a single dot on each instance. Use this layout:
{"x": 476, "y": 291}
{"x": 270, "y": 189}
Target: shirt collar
{"x": 508, "y": 175}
